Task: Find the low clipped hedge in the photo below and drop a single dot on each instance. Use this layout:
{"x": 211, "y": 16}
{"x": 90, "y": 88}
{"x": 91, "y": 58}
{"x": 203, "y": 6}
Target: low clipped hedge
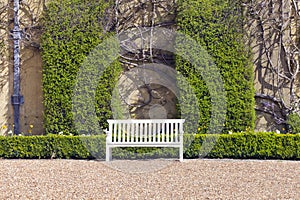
{"x": 248, "y": 145}
{"x": 237, "y": 146}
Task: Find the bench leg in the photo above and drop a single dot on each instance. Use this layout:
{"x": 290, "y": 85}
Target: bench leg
{"x": 108, "y": 154}
{"x": 181, "y": 153}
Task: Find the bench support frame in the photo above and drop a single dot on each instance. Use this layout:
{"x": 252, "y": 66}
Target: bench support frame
{"x": 144, "y": 133}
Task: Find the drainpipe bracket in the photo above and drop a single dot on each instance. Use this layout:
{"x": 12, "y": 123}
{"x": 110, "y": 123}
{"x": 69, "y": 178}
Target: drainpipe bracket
{"x": 17, "y": 99}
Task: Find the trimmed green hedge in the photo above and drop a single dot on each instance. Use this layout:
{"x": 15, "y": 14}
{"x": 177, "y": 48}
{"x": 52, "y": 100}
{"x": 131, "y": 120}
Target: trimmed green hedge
{"x": 237, "y": 145}
{"x": 72, "y": 30}
{"x": 249, "y": 145}
{"x": 217, "y": 25}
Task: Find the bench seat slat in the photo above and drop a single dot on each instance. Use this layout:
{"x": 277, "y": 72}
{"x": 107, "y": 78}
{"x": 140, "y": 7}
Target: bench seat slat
{"x": 163, "y": 132}
{"x": 128, "y": 131}
{"x": 115, "y": 132}
{"x": 176, "y": 133}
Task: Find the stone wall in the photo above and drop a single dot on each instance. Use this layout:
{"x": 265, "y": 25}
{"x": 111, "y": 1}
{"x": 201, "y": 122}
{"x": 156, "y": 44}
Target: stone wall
{"x": 31, "y": 112}
{"x": 273, "y": 31}
{"x": 4, "y": 78}
{"x": 138, "y": 13}
{"x": 143, "y": 97}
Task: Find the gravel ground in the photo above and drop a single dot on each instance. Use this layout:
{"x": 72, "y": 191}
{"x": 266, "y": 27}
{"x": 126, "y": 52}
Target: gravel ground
{"x": 149, "y": 179}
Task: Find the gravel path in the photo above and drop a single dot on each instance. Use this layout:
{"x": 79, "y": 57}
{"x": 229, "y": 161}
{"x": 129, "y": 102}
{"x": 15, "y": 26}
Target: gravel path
{"x": 149, "y": 179}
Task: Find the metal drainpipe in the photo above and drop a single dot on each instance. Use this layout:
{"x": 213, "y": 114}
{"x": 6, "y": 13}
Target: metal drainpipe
{"x": 16, "y": 98}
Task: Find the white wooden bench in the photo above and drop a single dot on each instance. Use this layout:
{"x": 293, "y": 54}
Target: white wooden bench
{"x": 144, "y": 133}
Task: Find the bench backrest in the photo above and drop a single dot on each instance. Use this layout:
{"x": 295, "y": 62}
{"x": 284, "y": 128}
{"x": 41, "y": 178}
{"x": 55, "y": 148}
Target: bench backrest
{"x": 145, "y": 130}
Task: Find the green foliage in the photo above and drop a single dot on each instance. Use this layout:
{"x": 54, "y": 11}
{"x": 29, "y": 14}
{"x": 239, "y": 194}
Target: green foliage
{"x": 51, "y": 146}
{"x": 294, "y": 123}
{"x": 237, "y": 145}
{"x": 71, "y": 42}
{"x": 74, "y": 147}
{"x": 249, "y": 146}
{"x": 217, "y": 26}
{"x": 73, "y": 29}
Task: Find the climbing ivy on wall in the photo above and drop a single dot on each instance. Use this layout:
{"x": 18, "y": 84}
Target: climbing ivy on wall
{"x": 218, "y": 27}
{"x": 72, "y": 29}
